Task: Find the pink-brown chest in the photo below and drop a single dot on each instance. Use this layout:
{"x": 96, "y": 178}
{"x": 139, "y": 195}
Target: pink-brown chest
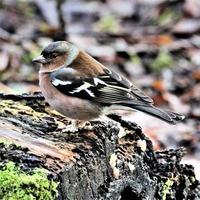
{"x": 69, "y": 106}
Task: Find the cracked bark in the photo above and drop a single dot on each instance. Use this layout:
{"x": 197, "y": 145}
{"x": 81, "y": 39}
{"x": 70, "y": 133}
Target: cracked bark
{"x": 95, "y": 164}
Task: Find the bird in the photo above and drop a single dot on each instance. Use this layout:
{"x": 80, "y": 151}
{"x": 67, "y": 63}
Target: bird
{"x": 82, "y": 89}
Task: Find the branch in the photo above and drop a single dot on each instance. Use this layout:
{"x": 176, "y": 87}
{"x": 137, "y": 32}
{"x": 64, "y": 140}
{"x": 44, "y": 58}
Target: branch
{"x": 101, "y": 163}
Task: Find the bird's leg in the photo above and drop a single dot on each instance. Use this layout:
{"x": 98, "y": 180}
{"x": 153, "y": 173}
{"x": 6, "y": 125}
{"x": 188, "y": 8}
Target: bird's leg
{"x": 78, "y": 125}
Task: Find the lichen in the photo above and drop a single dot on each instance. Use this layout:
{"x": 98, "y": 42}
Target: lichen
{"x": 166, "y": 188}
{"x": 20, "y": 109}
{"x": 16, "y": 184}
{"x": 17, "y": 108}
{"x": 6, "y": 142}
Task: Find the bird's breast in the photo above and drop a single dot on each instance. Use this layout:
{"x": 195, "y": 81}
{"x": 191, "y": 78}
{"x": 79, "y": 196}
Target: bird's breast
{"x": 72, "y": 107}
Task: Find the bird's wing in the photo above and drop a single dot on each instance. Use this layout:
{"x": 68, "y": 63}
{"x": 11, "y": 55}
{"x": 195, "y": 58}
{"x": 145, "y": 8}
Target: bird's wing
{"x": 124, "y": 83}
{"x": 108, "y": 88}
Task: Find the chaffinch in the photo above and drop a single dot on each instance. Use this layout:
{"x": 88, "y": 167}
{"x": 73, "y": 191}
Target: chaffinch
{"x": 81, "y": 88}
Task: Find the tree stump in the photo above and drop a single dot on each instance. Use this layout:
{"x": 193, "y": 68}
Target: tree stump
{"x": 114, "y": 160}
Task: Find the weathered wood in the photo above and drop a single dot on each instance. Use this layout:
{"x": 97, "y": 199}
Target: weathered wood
{"x": 113, "y": 161}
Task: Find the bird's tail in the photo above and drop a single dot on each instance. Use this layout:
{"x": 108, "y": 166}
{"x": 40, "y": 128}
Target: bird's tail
{"x": 167, "y": 116}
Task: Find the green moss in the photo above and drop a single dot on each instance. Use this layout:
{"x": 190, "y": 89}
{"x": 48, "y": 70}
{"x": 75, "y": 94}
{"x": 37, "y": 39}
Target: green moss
{"x": 32, "y": 52}
{"x": 192, "y": 179}
{"x": 108, "y": 23}
{"x": 15, "y": 108}
{"x": 19, "y": 110}
{"x": 16, "y": 184}
{"x": 6, "y": 142}
{"x": 166, "y": 188}
{"x": 135, "y": 59}
{"x": 167, "y": 17}
{"x": 163, "y": 60}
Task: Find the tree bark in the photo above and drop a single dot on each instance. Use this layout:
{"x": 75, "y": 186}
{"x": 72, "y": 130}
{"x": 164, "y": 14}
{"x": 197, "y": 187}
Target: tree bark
{"x": 114, "y": 160}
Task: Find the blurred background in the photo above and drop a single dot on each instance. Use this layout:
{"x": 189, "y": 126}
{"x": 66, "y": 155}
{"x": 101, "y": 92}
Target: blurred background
{"x": 154, "y": 43}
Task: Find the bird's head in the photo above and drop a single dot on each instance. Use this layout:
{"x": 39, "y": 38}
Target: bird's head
{"x": 56, "y": 55}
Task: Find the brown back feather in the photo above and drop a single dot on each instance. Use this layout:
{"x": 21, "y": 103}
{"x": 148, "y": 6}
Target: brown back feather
{"x": 87, "y": 65}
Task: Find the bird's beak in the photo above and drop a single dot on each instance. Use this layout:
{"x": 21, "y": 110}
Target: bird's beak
{"x": 40, "y": 59}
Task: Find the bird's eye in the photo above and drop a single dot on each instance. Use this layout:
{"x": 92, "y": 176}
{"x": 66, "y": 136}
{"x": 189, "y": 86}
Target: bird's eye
{"x": 54, "y": 55}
